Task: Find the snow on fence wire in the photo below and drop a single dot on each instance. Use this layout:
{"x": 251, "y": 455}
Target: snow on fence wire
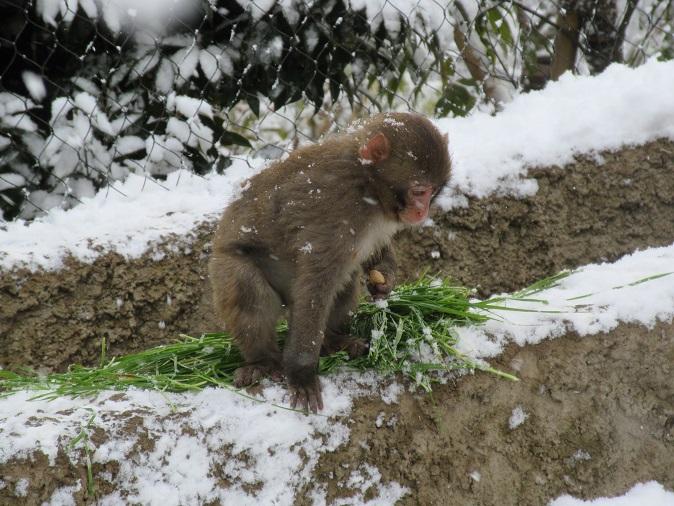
{"x": 94, "y": 90}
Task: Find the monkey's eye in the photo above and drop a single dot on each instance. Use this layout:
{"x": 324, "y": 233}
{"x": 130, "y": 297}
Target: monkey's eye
{"x": 421, "y": 190}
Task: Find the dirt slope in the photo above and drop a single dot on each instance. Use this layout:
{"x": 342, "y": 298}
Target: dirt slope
{"x": 582, "y": 213}
{"x": 600, "y": 417}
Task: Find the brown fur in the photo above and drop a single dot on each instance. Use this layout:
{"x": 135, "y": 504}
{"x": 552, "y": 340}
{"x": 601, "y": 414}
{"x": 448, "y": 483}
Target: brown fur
{"x": 301, "y": 233}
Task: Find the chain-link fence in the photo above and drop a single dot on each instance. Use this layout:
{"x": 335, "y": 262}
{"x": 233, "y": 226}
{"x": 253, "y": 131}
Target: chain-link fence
{"x": 94, "y": 90}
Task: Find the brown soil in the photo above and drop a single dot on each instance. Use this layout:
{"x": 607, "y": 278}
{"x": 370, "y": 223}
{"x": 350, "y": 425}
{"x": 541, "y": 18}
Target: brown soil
{"x": 600, "y": 419}
{"x": 581, "y": 214}
{"x": 608, "y": 397}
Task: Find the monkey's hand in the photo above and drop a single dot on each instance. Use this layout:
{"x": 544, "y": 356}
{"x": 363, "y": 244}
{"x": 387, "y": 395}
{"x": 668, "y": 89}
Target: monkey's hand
{"x": 307, "y": 396}
{"x": 250, "y": 374}
{"x": 380, "y": 284}
{"x": 305, "y": 388}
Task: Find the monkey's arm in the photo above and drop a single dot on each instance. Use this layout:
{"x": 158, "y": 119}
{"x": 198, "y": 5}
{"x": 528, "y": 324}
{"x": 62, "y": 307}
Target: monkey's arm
{"x": 383, "y": 261}
{"x": 313, "y": 294}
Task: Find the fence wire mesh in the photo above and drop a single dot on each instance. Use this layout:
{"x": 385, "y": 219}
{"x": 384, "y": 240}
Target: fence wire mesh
{"x": 94, "y": 90}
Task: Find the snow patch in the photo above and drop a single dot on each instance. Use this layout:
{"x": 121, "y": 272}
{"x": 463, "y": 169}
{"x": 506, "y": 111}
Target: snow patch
{"x": 593, "y": 299}
{"x": 34, "y": 84}
{"x": 572, "y": 116}
{"x": 130, "y": 218}
{"x": 517, "y": 418}
{"x": 650, "y": 493}
{"x": 21, "y": 488}
{"x": 271, "y": 451}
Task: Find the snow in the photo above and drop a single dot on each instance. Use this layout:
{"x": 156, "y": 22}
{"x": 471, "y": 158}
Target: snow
{"x": 21, "y": 488}
{"x": 517, "y": 418}
{"x": 364, "y": 478}
{"x": 118, "y": 14}
{"x": 573, "y": 116}
{"x": 214, "y": 62}
{"x": 651, "y": 494}
{"x": 12, "y": 108}
{"x": 616, "y": 295}
{"x": 188, "y": 106}
{"x": 423, "y": 14}
{"x": 186, "y": 61}
{"x": 34, "y": 84}
{"x": 491, "y": 154}
{"x": 11, "y": 181}
{"x": 64, "y": 496}
{"x": 270, "y": 451}
{"x": 274, "y": 450}
{"x": 129, "y": 217}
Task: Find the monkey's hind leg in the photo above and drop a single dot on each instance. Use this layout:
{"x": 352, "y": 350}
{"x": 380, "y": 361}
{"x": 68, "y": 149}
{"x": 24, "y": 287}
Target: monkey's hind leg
{"x": 337, "y": 335}
{"x": 250, "y": 309}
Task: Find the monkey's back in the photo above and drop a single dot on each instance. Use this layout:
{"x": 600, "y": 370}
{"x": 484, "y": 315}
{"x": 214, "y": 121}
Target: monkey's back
{"x": 297, "y": 199}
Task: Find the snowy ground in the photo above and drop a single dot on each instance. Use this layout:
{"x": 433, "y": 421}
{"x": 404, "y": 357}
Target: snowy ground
{"x": 274, "y": 450}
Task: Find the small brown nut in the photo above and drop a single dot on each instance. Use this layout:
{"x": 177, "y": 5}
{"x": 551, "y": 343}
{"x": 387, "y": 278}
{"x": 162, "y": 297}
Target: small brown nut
{"x": 376, "y": 277}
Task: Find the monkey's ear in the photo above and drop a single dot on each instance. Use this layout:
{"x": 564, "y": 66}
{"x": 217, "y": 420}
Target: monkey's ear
{"x": 376, "y": 150}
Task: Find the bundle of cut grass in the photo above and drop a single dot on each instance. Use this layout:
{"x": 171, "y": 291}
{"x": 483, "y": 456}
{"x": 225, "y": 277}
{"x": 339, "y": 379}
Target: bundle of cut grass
{"x": 411, "y": 333}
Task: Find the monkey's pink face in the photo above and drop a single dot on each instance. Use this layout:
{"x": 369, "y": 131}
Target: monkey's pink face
{"x": 417, "y": 204}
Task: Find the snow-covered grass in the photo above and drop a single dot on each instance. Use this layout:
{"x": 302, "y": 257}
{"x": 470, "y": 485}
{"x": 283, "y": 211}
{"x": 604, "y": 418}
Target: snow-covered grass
{"x": 595, "y": 298}
{"x": 491, "y": 154}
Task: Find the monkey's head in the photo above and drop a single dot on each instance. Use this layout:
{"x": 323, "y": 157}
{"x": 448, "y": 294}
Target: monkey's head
{"x": 408, "y": 160}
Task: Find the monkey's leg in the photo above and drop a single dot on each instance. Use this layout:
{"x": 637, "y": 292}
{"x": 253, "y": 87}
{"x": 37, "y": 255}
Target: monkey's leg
{"x": 337, "y": 333}
{"x": 250, "y": 308}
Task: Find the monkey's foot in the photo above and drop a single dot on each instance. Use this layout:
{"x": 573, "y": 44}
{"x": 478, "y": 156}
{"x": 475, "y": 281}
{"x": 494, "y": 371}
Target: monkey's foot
{"x": 354, "y": 346}
{"x": 307, "y": 397}
{"x": 250, "y": 374}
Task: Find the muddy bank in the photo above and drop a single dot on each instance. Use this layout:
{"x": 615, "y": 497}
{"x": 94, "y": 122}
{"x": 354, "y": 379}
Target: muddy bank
{"x": 582, "y": 213}
{"x": 597, "y": 417}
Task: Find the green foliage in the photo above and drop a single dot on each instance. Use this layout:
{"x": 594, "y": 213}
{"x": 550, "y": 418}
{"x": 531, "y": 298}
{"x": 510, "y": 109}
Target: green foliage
{"x": 457, "y": 100}
{"x": 84, "y": 437}
{"x": 226, "y": 55}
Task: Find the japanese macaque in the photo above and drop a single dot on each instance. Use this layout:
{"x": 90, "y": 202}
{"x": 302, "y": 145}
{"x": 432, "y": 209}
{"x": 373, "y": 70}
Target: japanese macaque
{"x": 303, "y": 233}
